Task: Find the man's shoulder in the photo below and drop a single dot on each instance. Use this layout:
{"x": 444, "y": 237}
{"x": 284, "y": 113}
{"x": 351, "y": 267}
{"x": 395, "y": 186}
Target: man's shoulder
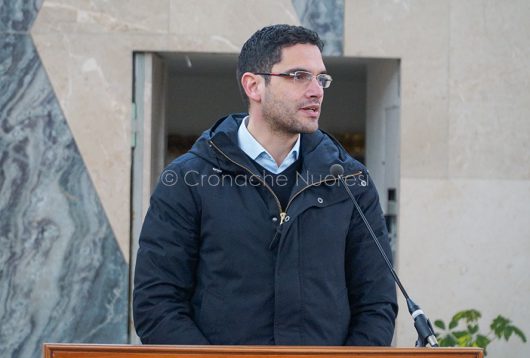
{"x": 324, "y": 147}
{"x": 186, "y": 162}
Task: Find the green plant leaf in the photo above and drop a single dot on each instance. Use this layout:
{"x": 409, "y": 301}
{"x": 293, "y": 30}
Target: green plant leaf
{"x": 508, "y": 332}
{"x": 451, "y": 338}
{"x": 472, "y": 328}
{"x": 440, "y": 324}
{"x": 482, "y": 341}
{"x": 465, "y": 340}
{"x": 519, "y": 333}
{"x": 471, "y": 336}
{"x": 447, "y": 341}
{"x": 453, "y": 323}
{"x": 460, "y": 334}
{"x": 468, "y": 315}
{"x": 472, "y": 316}
{"x": 498, "y": 326}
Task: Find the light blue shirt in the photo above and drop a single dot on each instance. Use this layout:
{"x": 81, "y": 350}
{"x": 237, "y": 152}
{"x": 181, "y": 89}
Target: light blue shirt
{"x": 254, "y": 150}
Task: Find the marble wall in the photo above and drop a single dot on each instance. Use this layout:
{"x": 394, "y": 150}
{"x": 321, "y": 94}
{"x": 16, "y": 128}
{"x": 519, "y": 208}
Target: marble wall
{"x": 326, "y": 18}
{"x": 63, "y": 277}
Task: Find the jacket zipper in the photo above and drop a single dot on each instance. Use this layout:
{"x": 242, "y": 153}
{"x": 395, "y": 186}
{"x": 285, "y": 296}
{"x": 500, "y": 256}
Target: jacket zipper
{"x": 283, "y": 213}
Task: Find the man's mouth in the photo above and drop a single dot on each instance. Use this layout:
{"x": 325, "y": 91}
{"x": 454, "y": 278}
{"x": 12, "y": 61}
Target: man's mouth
{"x": 312, "y": 109}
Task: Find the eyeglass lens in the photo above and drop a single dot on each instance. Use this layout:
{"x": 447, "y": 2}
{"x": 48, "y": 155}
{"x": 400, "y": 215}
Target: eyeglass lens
{"x": 324, "y": 80}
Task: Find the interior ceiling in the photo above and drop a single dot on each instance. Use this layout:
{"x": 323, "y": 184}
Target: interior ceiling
{"x": 194, "y": 63}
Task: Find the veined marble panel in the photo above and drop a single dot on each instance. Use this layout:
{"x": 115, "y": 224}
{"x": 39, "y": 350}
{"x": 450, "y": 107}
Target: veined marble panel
{"x": 63, "y": 277}
{"x": 18, "y": 16}
{"x": 327, "y": 19}
{"x": 91, "y": 76}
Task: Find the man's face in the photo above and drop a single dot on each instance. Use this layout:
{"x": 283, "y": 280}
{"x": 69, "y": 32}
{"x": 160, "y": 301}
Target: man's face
{"x": 291, "y": 106}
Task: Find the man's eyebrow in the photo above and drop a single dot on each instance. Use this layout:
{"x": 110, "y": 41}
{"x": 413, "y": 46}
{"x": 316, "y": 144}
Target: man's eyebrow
{"x": 291, "y": 70}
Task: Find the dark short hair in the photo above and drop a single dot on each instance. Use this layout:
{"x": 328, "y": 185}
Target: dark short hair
{"x": 264, "y": 49}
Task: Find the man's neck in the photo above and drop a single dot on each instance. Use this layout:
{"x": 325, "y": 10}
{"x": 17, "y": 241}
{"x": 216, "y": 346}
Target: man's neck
{"x": 278, "y": 144}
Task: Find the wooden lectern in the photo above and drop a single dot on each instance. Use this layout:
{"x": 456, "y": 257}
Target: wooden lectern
{"x": 147, "y": 351}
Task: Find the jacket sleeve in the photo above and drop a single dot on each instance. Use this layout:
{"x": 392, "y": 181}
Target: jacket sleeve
{"x": 371, "y": 288}
{"x": 165, "y": 266}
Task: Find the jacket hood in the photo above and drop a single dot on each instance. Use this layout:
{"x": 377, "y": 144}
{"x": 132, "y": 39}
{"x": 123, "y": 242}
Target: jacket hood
{"x": 318, "y": 151}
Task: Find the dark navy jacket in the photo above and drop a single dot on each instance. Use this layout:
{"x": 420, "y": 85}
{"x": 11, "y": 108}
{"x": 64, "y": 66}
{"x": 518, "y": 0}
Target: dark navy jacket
{"x": 221, "y": 262}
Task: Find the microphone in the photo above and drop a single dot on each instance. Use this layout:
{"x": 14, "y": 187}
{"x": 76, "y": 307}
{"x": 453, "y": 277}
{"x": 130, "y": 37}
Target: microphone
{"x": 336, "y": 170}
{"x": 421, "y": 322}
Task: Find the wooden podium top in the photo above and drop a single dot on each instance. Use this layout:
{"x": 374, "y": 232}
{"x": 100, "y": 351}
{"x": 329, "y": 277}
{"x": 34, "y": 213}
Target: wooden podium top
{"x": 152, "y": 351}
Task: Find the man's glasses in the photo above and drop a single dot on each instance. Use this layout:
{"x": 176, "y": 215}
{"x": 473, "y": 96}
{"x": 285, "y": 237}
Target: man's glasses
{"x": 323, "y": 79}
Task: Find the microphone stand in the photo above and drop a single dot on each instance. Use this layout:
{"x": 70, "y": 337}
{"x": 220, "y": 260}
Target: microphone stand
{"x": 422, "y": 324}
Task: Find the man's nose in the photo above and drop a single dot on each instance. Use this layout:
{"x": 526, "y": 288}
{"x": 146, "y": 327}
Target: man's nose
{"x": 314, "y": 89}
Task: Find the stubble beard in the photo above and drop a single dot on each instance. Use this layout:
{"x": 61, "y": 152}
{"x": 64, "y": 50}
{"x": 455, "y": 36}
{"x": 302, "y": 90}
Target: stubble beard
{"x": 284, "y": 119}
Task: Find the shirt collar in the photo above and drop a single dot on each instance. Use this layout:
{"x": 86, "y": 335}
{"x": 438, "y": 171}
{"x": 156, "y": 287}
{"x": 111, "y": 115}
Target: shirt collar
{"x": 254, "y": 149}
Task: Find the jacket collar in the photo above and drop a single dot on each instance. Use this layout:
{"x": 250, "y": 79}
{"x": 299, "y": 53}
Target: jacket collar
{"x": 318, "y": 150}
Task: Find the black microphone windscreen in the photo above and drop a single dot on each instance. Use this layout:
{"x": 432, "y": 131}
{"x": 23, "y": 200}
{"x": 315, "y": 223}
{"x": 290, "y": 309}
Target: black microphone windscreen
{"x": 336, "y": 170}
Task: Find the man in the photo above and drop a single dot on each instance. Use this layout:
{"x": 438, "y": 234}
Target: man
{"x": 253, "y": 241}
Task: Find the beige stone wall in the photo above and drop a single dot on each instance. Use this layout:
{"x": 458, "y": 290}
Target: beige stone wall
{"x": 465, "y": 152}
{"x": 87, "y": 50}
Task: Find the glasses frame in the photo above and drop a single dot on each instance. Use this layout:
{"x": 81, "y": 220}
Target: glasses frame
{"x": 322, "y": 78}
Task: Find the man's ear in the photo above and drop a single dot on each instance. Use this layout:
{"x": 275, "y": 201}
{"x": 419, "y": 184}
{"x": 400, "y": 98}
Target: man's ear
{"x": 253, "y": 86}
